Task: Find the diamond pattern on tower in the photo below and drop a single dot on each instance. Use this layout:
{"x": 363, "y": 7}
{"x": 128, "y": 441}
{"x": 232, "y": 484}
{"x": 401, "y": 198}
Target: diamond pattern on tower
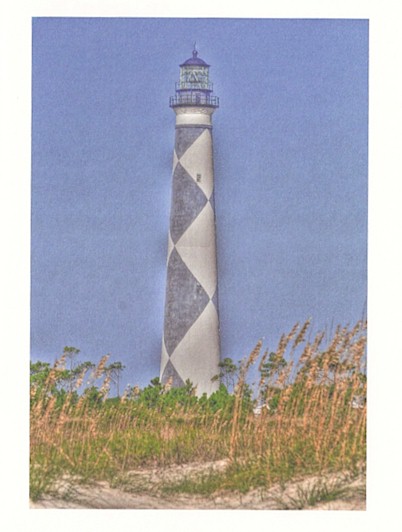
{"x": 185, "y": 138}
{"x": 197, "y": 161}
{"x": 191, "y": 330}
{"x": 170, "y": 372}
{"x": 201, "y": 232}
{"x": 201, "y": 342}
{"x": 187, "y": 202}
{"x": 214, "y": 299}
{"x": 197, "y": 249}
{"x": 185, "y": 300}
{"x": 201, "y": 263}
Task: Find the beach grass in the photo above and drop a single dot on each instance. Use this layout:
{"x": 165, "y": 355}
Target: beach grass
{"x": 306, "y": 415}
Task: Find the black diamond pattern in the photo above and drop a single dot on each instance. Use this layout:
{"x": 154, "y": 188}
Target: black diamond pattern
{"x": 187, "y": 202}
{"x": 170, "y": 371}
{"x": 185, "y": 300}
{"x": 185, "y": 136}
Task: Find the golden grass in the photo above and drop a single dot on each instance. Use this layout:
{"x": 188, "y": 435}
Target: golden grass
{"x": 313, "y": 420}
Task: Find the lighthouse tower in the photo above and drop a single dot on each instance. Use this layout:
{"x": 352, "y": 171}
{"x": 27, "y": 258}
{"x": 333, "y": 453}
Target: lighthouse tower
{"x": 190, "y": 347}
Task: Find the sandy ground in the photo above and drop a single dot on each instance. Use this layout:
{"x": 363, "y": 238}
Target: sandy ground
{"x": 141, "y": 490}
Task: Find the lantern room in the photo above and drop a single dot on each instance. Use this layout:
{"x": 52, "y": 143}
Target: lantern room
{"x": 194, "y": 87}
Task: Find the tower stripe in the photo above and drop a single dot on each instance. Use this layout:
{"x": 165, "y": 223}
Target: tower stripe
{"x": 185, "y": 300}
{"x": 187, "y": 202}
{"x": 197, "y": 249}
{"x": 197, "y": 161}
{"x": 170, "y": 371}
{"x": 198, "y": 351}
{"x": 185, "y": 137}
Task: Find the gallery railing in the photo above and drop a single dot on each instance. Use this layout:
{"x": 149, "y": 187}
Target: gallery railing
{"x": 194, "y": 99}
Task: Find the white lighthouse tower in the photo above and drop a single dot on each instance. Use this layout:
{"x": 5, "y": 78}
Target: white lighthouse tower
{"x": 190, "y": 346}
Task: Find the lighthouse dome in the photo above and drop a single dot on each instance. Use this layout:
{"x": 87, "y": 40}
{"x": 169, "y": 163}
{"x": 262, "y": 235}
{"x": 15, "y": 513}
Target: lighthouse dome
{"x": 194, "y": 61}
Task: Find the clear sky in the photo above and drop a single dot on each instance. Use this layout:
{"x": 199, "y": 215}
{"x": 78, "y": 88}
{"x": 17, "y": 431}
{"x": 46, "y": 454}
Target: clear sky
{"x": 290, "y": 146}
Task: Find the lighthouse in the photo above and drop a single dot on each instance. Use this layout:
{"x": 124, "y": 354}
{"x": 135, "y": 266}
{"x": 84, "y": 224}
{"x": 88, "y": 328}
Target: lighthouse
{"x": 191, "y": 346}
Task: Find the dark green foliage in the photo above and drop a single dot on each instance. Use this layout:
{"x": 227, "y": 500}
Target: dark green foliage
{"x": 93, "y": 396}
{"x": 220, "y": 400}
{"x": 275, "y": 364}
{"x": 150, "y": 395}
{"x": 39, "y": 374}
{"x": 228, "y": 373}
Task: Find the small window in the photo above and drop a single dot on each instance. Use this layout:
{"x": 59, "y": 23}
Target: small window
{"x": 198, "y": 178}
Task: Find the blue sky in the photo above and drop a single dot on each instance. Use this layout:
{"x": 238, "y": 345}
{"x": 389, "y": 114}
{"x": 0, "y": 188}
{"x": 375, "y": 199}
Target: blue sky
{"x": 290, "y": 142}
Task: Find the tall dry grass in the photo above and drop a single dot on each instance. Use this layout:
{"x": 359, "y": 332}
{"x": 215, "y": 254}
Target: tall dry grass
{"x": 312, "y": 420}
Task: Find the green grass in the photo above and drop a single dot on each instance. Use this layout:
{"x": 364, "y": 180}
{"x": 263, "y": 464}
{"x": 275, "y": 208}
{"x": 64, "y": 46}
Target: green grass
{"x": 236, "y": 478}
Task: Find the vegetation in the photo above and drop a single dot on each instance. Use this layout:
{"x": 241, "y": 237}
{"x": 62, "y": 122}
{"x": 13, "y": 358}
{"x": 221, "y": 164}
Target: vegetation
{"x": 306, "y": 415}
